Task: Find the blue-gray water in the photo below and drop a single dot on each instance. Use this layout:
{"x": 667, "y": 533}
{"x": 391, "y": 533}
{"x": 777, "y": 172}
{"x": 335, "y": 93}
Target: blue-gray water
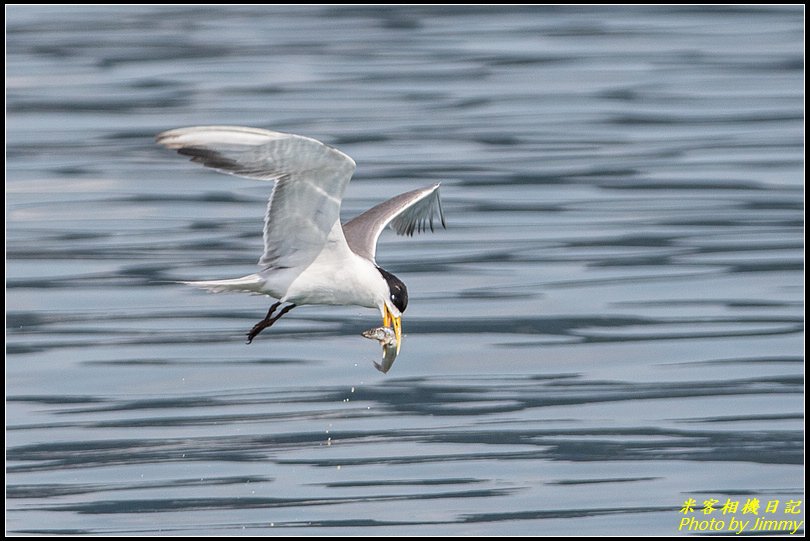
{"x": 611, "y": 324}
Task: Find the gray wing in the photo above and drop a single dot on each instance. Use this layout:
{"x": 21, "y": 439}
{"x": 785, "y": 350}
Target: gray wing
{"x": 406, "y": 213}
{"x": 310, "y": 179}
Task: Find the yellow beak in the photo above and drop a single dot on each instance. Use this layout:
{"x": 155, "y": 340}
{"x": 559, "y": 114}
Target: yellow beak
{"x": 388, "y": 319}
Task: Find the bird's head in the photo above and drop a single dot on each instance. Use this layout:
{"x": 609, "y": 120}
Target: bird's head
{"x": 395, "y": 303}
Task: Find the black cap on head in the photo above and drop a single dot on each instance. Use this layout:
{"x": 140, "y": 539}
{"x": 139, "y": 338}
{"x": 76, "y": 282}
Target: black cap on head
{"x": 398, "y": 291}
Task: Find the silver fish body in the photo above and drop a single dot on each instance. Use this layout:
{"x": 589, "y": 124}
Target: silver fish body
{"x": 384, "y": 335}
{"x": 388, "y": 339}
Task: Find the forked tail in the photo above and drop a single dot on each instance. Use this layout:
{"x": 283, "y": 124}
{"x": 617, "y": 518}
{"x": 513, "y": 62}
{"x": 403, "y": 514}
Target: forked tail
{"x": 249, "y": 284}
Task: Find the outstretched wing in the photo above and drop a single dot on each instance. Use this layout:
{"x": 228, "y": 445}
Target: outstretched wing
{"x": 310, "y": 179}
{"x": 406, "y": 213}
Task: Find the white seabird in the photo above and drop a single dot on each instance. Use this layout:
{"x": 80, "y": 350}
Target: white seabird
{"x": 309, "y": 256}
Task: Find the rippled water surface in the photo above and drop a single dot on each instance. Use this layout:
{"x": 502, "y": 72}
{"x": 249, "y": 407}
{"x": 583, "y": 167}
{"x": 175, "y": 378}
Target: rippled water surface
{"x": 611, "y": 324}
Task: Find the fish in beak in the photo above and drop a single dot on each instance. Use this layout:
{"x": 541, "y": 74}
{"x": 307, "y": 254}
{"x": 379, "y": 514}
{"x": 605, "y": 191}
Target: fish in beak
{"x": 395, "y": 322}
{"x": 389, "y": 336}
{"x": 387, "y": 339}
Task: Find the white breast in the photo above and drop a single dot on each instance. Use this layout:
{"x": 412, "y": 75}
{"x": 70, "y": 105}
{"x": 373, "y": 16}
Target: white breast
{"x": 338, "y": 276}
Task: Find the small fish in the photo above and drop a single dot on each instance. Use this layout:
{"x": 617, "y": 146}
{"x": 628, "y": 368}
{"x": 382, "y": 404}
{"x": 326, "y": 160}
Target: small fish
{"x": 388, "y": 339}
{"x": 384, "y": 335}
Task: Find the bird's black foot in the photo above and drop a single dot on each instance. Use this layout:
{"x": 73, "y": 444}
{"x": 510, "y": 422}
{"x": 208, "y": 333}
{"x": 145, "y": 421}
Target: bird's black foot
{"x": 268, "y": 320}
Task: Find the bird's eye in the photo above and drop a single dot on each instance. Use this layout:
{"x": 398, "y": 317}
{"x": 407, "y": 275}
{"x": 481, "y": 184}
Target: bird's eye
{"x": 398, "y": 293}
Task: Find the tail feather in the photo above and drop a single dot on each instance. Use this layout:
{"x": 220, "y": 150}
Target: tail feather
{"x": 249, "y": 284}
